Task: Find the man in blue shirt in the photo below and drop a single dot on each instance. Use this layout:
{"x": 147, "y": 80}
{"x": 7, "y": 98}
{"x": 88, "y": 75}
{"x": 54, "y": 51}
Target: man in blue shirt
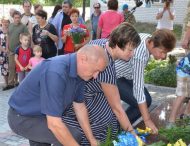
{"x": 62, "y": 18}
{"x": 37, "y": 105}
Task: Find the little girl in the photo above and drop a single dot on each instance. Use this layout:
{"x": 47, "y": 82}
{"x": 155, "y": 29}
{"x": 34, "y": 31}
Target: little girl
{"x": 37, "y": 50}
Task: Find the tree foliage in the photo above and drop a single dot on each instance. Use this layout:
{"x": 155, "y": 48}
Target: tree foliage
{"x": 76, "y": 3}
{"x": 16, "y": 1}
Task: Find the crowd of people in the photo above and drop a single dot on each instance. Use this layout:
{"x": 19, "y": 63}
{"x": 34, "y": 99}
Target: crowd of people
{"x": 70, "y": 93}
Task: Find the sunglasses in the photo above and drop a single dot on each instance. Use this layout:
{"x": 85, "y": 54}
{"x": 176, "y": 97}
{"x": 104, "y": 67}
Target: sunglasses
{"x": 96, "y": 7}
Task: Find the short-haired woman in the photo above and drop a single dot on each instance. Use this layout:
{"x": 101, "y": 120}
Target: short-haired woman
{"x": 101, "y": 94}
{"x": 44, "y": 34}
{"x": 70, "y": 47}
{"x": 109, "y": 20}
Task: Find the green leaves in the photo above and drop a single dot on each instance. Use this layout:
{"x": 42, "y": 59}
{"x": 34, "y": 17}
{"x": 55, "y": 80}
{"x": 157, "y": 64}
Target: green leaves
{"x": 108, "y": 141}
{"x": 161, "y": 73}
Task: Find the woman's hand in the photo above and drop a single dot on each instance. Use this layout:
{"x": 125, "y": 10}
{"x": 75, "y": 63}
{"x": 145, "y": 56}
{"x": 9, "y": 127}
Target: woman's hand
{"x": 151, "y": 125}
{"x": 44, "y": 33}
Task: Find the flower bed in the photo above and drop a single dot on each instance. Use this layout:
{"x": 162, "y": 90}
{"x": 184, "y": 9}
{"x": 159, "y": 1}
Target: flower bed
{"x": 178, "y": 135}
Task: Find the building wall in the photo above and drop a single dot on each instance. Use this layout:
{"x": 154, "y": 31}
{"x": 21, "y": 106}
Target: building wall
{"x": 144, "y": 14}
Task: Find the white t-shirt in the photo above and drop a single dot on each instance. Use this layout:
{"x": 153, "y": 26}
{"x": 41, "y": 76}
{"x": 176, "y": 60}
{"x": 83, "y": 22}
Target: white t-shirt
{"x": 33, "y": 20}
{"x": 25, "y": 20}
{"x": 165, "y": 21}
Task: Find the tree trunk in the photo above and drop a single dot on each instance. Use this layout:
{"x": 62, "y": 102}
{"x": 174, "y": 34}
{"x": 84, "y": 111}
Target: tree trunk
{"x": 83, "y": 9}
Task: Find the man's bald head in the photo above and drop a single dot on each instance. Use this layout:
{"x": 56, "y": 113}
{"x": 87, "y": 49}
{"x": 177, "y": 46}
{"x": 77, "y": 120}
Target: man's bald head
{"x": 91, "y": 60}
{"x": 94, "y": 53}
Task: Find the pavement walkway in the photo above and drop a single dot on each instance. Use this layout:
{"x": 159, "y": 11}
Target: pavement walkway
{"x": 8, "y": 138}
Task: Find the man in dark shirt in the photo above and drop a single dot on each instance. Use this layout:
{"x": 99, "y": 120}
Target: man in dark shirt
{"x": 37, "y": 105}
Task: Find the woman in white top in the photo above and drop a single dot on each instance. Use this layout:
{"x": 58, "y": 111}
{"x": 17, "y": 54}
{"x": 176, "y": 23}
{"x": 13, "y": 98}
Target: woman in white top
{"x": 165, "y": 16}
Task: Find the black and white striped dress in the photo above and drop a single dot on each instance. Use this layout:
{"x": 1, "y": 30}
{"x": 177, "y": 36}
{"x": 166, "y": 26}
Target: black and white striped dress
{"x": 100, "y": 113}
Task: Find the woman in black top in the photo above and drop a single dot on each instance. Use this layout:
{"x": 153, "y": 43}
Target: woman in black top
{"x": 45, "y": 35}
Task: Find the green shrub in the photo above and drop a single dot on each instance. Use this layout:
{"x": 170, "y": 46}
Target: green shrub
{"x": 161, "y": 73}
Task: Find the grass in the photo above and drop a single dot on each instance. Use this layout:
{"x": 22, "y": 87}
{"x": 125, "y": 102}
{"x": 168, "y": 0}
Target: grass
{"x": 150, "y": 28}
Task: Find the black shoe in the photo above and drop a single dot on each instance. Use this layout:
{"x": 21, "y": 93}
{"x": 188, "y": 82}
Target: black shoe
{"x": 8, "y": 87}
{"x": 16, "y": 84}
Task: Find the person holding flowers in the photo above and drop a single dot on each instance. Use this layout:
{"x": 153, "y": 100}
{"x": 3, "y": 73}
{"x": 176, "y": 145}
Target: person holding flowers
{"x": 74, "y": 35}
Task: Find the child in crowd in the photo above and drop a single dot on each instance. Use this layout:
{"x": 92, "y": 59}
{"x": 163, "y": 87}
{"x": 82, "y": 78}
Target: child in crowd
{"x": 182, "y": 90}
{"x": 37, "y": 51}
{"x": 23, "y": 54}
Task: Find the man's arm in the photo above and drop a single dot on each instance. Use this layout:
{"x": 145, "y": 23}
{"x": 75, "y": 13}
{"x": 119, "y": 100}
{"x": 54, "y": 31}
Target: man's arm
{"x": 186, "y": 38}
{"x": 100, "y": 25}
{"x": 82, "y": 117}
{"x": 112, "y": 94}
{"x": 138, "y": 91}
{"x": 98, "y": 33}
{"x": 160, "y": 14}
{"x": 171, "y": 15}
{"x": 146, "y": 117}
{"x": 61, "y": 132}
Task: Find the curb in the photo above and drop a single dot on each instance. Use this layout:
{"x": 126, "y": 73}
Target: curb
{"x": 160, "y": 88}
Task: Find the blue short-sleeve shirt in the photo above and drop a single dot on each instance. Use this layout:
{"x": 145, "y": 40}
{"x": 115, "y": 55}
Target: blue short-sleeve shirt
{"x": 50, "y": 88}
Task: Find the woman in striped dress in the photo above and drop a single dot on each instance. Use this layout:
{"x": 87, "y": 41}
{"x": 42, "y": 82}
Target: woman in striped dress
{"x": 101, "y": 94}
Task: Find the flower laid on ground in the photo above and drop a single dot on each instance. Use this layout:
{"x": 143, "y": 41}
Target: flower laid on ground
{"x": 179, "y": 135}
{"x": 143, "y": 133}
{"x": 178, "y": 143}
{"x": 77, "y": 34}
{"x": 126, "y": 139}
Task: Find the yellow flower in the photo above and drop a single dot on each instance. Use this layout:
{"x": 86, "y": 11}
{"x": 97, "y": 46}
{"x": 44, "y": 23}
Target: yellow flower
{"x": 180, "y": 141}
{"x": 169, "y": 144}
{"x": 140, "y": 142}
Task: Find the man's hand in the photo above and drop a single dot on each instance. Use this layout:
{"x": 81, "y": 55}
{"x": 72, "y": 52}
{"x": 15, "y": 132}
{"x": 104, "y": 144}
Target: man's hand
{"x": 61, "y": 132}
{"x": 184, "y": 44}
{"x": 151, "y": 125}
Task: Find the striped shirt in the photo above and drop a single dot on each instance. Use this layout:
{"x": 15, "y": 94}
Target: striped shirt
{"x": 101, "y": 115}
{"x": 134, "y": 68}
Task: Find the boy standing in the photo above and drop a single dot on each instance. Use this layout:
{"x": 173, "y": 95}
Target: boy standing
{"x": 14, "y": 31}
{"x": 22, "y": 56}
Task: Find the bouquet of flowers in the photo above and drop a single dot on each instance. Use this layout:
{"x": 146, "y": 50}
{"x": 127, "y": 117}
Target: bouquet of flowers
{"x": 77, "y": 34}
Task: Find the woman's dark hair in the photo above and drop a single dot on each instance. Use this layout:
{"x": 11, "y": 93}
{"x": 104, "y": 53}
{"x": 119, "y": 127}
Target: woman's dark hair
{"x": 56, "y": 9}
{"x": 112, "y": 5}
{"x": 42, "y": 14}
{"x": 74, "y": 10}
{"x": 164, "y": 38}
{"x": 124, "y": 34}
